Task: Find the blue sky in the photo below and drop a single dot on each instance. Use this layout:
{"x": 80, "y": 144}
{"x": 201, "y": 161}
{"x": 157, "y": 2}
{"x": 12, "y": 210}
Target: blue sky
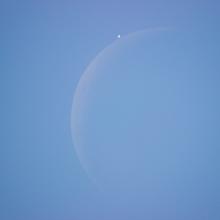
{"x": 45, "y": 47}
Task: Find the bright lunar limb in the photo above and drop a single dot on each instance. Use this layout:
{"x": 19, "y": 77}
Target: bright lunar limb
{"x": 146, "y": 124}
{"x": 119, "y": 36}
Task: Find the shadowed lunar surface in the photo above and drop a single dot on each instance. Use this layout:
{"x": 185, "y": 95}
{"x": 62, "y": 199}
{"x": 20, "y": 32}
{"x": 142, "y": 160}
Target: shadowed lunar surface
{"x": 146, "y": 122}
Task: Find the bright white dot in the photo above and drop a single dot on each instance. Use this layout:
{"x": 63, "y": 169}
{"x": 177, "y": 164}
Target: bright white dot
{"x": 119, "y": 36}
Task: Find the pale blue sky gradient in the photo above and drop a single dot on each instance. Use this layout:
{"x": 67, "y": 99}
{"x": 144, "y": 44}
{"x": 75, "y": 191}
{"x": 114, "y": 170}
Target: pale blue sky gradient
{"x": 45, "y": 48}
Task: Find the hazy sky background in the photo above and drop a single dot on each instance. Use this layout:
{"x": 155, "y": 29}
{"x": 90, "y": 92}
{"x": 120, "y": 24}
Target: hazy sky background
{"x": 45, "y": 47}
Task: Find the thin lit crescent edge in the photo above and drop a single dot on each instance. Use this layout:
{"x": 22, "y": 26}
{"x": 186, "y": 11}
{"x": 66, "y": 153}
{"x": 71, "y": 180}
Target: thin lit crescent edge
{"x": 85, "y": 79}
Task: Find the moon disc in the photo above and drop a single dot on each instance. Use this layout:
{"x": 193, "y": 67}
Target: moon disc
{"x": 146, "y": 122}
